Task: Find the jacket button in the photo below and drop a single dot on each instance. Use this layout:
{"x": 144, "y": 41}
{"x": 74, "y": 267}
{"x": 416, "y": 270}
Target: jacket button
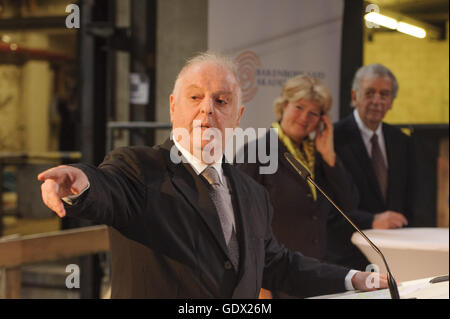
{"x": 309, "y": 195}
{"x": 314, "y": 217}
{"x": 315, "y": 241}
{"x": 228, "y": 265}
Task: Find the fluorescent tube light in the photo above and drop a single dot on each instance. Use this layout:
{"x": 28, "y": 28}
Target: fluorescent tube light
{"x": 411, "y": 30}
{"x": 381, "y": 20}
{"x": 393, "y": 24}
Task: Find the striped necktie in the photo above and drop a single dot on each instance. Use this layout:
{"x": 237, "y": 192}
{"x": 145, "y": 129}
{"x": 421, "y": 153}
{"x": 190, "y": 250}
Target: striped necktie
{"x": 379, "y": 165}
{"x": 221, "y": 198}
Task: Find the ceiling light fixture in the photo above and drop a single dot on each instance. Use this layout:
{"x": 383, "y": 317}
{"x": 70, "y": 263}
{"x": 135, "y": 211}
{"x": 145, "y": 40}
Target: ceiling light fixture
{"x": 411, "y": 30}
{"x": 393, "y": 24}
{"x": 382, "y": 20}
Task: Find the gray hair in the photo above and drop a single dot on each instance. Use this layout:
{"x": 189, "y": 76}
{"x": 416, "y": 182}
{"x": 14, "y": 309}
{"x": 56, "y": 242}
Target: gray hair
{"x": 209, "y": 57}
{"x": 372, "y": 70}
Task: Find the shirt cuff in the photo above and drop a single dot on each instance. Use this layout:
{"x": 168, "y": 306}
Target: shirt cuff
{"x": 348, "y": 280}
{"x": 71, "y": 199}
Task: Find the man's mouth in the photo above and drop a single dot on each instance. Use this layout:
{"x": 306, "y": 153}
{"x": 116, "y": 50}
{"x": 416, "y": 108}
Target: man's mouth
{"x": 201, "y": 125}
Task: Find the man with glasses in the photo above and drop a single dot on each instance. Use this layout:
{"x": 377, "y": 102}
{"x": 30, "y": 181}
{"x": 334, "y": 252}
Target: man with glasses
{"x": 378, "y": 156}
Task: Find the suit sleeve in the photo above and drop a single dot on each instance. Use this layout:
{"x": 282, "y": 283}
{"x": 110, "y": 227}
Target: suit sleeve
{"x": 411, "y": 182}
{"x": 116, "y": 194}
{"x": 294, "y": 273}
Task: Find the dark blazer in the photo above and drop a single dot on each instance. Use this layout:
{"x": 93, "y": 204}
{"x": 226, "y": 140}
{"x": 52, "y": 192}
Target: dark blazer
{"x": 299, "y": 222}
{"x": 165, "y": 207}
{"x": 350, "y": 147}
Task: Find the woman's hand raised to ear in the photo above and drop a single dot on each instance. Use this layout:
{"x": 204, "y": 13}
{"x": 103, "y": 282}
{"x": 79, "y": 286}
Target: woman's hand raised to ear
{"x": 324, "y": 141}
{"x": 60, "y": 182}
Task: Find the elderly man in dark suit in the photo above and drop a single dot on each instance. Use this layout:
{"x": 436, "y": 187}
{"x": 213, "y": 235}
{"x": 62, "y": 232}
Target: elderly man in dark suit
{"x": 378, "y": 156}
{"x": 206, "y": 224}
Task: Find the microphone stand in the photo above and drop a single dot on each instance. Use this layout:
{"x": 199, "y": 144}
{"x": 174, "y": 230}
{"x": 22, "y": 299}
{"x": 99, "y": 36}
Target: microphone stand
{"x": 306, "y": 176}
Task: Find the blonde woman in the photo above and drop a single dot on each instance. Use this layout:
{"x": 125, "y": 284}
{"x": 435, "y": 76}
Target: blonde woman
{"x": 300, "y": 213}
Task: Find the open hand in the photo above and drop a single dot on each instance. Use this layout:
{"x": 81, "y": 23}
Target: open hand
{"x": 389, "y": 220}
{"x": 60, "y": 182}
{"x": 369, "y": 281}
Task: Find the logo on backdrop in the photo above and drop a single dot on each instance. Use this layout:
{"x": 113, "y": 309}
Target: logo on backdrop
{"x": 253, "y": 76}
{"x": 247, "y": 63}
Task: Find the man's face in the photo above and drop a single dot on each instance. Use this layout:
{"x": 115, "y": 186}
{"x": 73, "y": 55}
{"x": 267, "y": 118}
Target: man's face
{"x": 374, "y": 100}
{"x": 208, "y": 95}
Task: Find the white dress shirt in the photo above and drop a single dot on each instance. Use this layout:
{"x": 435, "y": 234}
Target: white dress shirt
{"x": 198, "y": 165}
{"x": 367, "y": 134}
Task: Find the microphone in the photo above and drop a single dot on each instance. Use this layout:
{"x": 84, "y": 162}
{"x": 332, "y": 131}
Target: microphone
{"x": 303, "y": 172}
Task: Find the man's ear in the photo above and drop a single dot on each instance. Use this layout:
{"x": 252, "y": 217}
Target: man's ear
{"x": 172, "y": 106}
{"x": 354, "y": 97}
{"x": 240, "y": 112}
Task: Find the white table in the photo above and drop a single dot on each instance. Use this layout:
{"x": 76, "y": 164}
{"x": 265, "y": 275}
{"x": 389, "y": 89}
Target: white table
{"x": 414, "y": 289}
{"x": 411, "y": 253}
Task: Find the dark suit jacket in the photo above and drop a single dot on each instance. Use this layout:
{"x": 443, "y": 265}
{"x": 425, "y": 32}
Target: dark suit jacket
{"x": 350, "y": 148}
{"x": 165, "y": 207}
{"x": 299, "y": 222}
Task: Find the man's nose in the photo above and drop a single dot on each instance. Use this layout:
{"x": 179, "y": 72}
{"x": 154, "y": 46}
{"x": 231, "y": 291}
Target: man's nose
{"x": 207, "y": 106}
{"x": 377, "y": 98}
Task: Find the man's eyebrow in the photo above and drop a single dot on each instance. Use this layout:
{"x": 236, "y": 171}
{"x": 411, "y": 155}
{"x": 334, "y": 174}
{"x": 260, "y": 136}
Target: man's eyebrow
{"x": 225, "y": 92}
{"x": 193, "y": 86}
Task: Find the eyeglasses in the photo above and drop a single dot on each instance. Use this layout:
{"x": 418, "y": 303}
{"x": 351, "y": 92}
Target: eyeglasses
{"x": 384, "y": 94}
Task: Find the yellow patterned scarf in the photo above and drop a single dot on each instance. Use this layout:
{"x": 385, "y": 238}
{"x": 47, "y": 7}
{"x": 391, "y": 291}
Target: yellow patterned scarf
{"x": 305, "y": 154}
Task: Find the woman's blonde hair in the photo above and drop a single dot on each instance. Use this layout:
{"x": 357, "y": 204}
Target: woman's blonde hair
{"x": 303, "y": 87}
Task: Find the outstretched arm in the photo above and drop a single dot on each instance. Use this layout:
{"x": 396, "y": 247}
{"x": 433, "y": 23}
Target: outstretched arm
{"x": 116, "y": 192}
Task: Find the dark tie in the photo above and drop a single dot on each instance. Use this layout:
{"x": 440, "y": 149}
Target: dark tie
{"x": 379, "y": 166}
{"x": 221, "y": 198}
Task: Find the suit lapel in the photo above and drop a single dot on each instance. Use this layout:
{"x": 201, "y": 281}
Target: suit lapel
{"x": 360, "y": 152}
{"x": 391, "y": 154}
{"x": 195, "y": 190}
